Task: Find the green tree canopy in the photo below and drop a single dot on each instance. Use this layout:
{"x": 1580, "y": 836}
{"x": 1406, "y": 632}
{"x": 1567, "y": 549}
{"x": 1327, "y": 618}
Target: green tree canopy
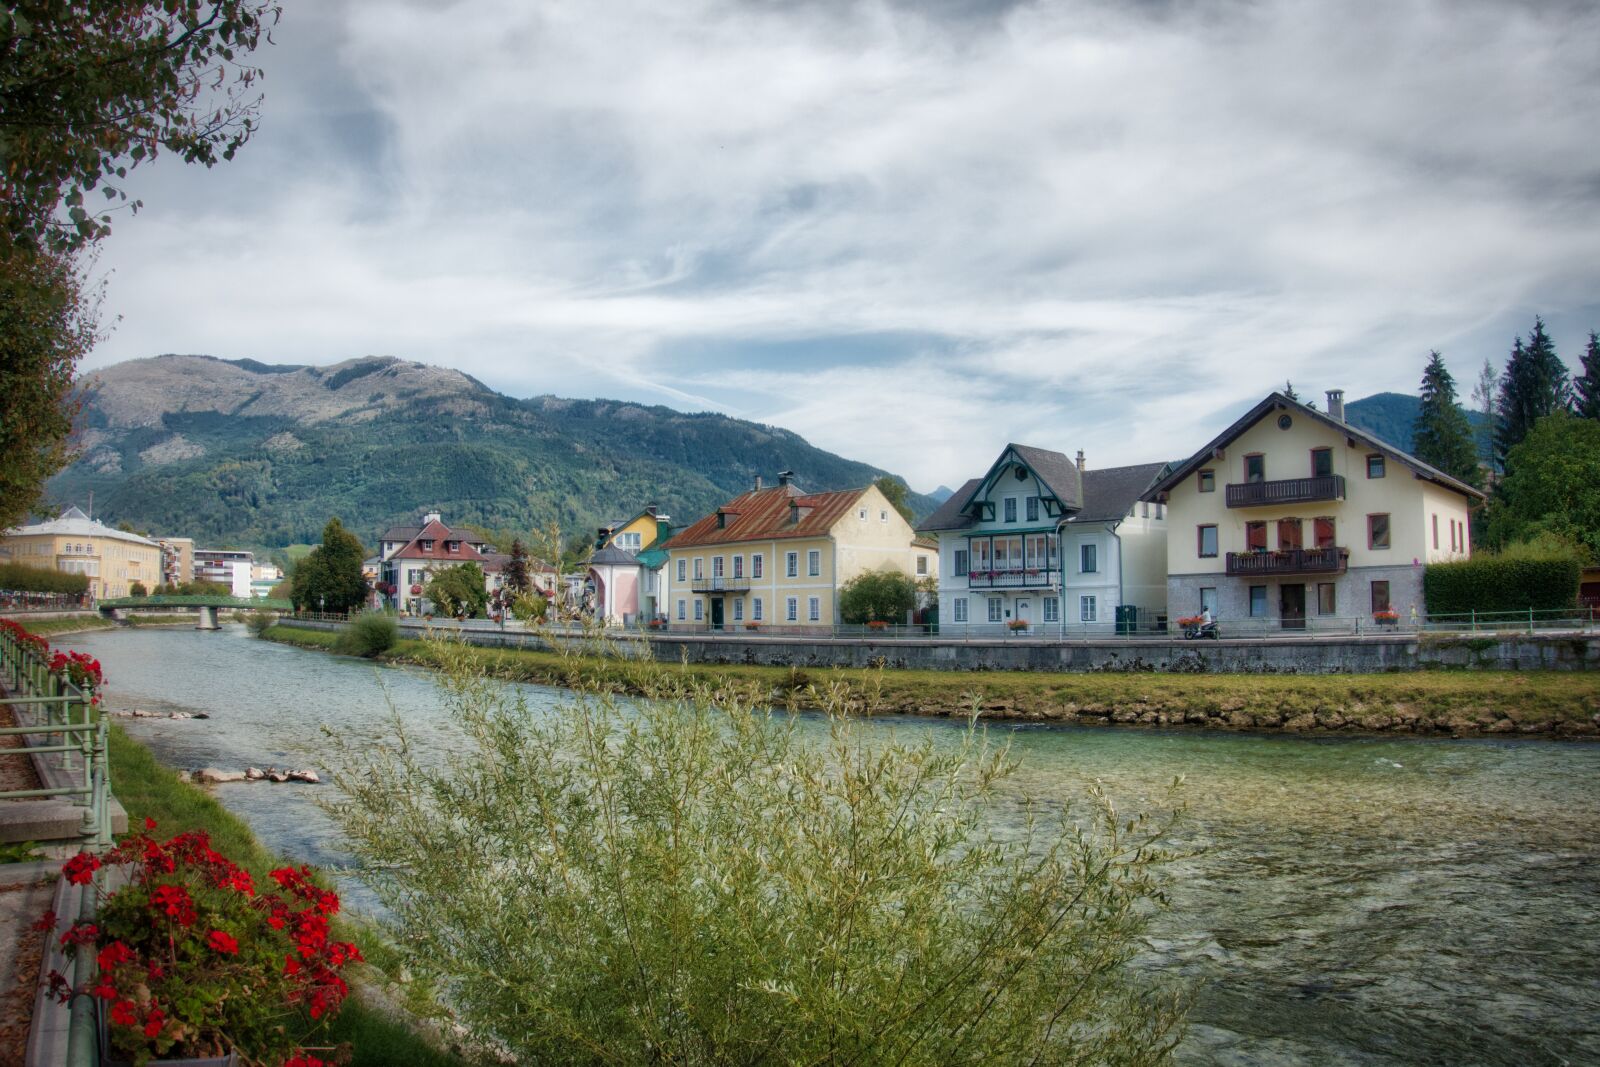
{"x": 459, "y": 590}
{"x": 1533, "y": 385}
{"x": 19, "y": 577}
{"x": 877, "y": 596}
{"x": 895, "y": 490}
{"x": 1443, "y": 437}
{"x": 1551, "y": 485}
{"x": 1586, "y": 387}
{"x": 329, "y": 579}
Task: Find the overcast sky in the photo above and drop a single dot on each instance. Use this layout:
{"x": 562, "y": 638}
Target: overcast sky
{"x": 911, "y": 233}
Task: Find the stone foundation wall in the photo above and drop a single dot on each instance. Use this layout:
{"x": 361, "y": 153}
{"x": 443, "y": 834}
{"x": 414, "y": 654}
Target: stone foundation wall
{"x": 1352, "y": 595}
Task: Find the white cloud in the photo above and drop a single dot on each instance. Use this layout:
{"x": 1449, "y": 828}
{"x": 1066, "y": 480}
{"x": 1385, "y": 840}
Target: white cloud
{"x": 1105, "y": 222}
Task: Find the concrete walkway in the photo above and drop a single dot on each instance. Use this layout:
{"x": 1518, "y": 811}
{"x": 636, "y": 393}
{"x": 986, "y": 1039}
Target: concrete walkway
{"x": 26, "y": 892}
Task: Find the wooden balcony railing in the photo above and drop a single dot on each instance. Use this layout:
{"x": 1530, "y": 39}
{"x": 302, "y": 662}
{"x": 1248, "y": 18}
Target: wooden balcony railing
{"x": 1013, "y": 578}
{"x": 720, "y": 585}
{"x": 1286, "y": 491}
{"x": 1291, "y": 561}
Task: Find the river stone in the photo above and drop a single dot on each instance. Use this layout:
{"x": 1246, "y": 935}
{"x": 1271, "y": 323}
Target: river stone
{"x": 212, "y": 776}
{"x": 305, "y": 776}
{"x": 255, "y": 774}
{"x": 1300, "y": 723}
{"x": 1501, "y": 726}
{"x": 277, "y": 776}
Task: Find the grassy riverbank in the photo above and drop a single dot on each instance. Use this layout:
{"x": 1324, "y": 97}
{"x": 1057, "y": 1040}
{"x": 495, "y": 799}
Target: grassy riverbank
{"x": 1428, "y": 702}
{"x": 70, "y": 625}
{"x": 147, "y": 789}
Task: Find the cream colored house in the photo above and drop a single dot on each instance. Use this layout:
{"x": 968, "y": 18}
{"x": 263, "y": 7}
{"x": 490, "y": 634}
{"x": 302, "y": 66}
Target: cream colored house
{"x": 776, "y": 557}
{"x": 76, "y": 544}
{"x": 1291, "y": 518}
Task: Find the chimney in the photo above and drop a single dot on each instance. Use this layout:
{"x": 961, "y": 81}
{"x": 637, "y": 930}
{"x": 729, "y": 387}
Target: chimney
{"x": 650, "y": 510}
{"x": 785, "y": 477}
{"x": 1080, "y": 459}
{"x": 758, "y": 482}
{"x": 1336, "y": 404}
{"x": 432, "y": 516}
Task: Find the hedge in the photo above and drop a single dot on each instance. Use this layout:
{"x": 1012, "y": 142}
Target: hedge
{"x": 20, "y": 577}
{"x": 1501, "y": 583}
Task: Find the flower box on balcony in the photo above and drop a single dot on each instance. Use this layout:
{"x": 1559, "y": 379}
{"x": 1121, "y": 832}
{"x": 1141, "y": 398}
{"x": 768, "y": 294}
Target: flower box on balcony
{"x": 1017, "y": 626}
{"x": 1385, "y": 618}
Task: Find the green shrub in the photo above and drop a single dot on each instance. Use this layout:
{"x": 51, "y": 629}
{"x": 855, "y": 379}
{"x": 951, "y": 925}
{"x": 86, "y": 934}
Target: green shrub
{"x": 459, "y": 590}
{"x": 369, "y": 634}
{"x": 530, "y": 607}
{"x": 877, "y": 596}
{"x": 23, "y": 578}
{"x": 259, "y": 622}
{"x": 1542, "y": 575}
{"x": 702, "y": 881}
{"x": 138, "y": 589}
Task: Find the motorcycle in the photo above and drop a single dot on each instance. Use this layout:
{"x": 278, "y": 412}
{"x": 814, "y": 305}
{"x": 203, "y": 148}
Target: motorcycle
{"x": 1201, "y": 631}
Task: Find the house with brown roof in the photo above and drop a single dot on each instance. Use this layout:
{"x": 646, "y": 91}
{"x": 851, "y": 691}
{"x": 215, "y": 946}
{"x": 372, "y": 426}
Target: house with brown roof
{"x": 410, "y": 555}
{"x": 776, "y": 557}
{"x": 1044, "y": 544}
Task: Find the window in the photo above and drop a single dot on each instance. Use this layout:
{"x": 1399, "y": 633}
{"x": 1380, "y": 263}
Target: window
{"x": 1375, "y": 466}
{"x": 1208, "y": 541}
{"x": 1258, "y": 601}
{"x": 1144, "y": 509}
{"x": 814, "y": 609}
{"x": 738, "y": 566}
{"x": 1255, "y": 467}
{"x": 682, "y": 610}
{"x": 1436, "y": 532}
{"x": 1087, "y": 609}
{"x": 1088, "y": 558}
{"x": 994, "y": 609}
{"x": 1011, "y": 509}
{"x": 959, "y": 607}
{"x": 738, "y": 610}
{"x": 452, "y": 546}
{"x": 791, "y": 564}
{"x": 814, "y": 563}
{"x": 791, "y": 609}
{"x": 862, "y": 514}
{"x": 1326, "y": 604}
{"x": 1208, "y": 599}
{"x": 883, "y": 516}
{"x": 1322, "y": 529}
{"x": 1255, "y": 537}
{"x": 716, "y": 566}
{"x": 755, "y": 608}
{"x": 699, "y": 568}
{"x": 1052, "y": 609}
{"x": 699, "y": 610}
{"x": 1380, "y": 596}
{"x": 1208, "y": 481}
{"x": 922, "y": 565}
{"x": 1032, "y": 509}
{"x": 1289, "y": 535}
{"x": 683, "y": 570}
{"x": 755, "y": 565}
{"x": 961, "y": 562}
{"x": 1377, "y": 531}
{"x": 1321, "y": 462}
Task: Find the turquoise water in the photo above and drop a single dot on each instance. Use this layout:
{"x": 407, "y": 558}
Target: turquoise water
{"x": 1358, "y": 901}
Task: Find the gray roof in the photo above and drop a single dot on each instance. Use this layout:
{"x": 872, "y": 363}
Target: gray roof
{"x": 1110, "y": 493}
{"x": 1058, "y": 473}
{"x": 74, "y": 523}
{"x": 947, "y": 516}
{"x": 400, "y": 533}
{"x": 611, "y": 556}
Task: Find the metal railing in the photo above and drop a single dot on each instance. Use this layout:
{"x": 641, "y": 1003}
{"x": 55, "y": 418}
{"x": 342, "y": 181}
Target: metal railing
{"x": 1286, "y": 491}
{"x": 1288, "y": 561}
{"x": 1024, "y": 577}
{"x": 719, "y": 585}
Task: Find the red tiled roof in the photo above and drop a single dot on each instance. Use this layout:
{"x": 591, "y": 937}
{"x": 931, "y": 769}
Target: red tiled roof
{"x": 439, "y": 533}
{"x": 763, "y": 515}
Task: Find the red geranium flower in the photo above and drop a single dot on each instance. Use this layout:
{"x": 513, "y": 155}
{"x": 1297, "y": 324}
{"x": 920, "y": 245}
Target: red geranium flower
{"x": 223, "y": 942}
{"x": 122, "y": 1013}
{"x": 80, "y": 868}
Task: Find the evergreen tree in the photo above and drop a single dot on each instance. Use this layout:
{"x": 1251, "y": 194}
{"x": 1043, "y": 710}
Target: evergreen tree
{"x": 1534, "y": 385}
{"x": 1443, "y": 437}
{"x": 1483, "y": 397}
{"x": 1586, "y": 387}
{"x": 517, "y": 568}
{"x": 329, "y": 579}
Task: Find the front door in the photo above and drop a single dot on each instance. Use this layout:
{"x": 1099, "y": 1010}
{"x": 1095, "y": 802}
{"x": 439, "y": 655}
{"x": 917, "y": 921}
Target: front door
{"x": 716, "y": 613}
{"x": 1292, "y": 606}
{"x": 1025, "y": 611}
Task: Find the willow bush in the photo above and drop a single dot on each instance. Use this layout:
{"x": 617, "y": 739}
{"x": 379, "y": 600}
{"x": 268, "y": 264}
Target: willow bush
{"x": 691, "y": 879}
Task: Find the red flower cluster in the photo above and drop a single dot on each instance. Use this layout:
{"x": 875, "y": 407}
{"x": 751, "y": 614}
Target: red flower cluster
{"x": 27, "y": 640}
{"x": 79, "y": 668}
{"x": 191, "y": 919}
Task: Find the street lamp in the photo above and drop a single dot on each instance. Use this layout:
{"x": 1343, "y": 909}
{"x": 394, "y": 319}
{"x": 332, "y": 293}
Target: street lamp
{"x": 322, "y": 605}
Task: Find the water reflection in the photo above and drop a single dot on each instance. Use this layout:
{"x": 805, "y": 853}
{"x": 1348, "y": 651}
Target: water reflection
{"x": 1375, "y": 901}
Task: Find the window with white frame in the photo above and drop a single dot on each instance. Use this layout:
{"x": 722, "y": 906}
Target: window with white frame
{"x": 814, "y": 562}
{"x": 1011, "y": 509}
{"x": 959, "y": 608}
{"x": 755, "y": 608}
{"x": 961, "y": 562}
{"x": 683, "y": 610}
{"x": 995, "y": 609}
{"x": 883, "y": 516}
{"x": 791, "y": 564}
{"x": 1088, "y": 558}
{"x": 1052, "y": 609}
{"x": 755, "y": 565}
{"x": 699, "y": 568}
{"x": 1087, "y": 609}
{"x": 738, "y": 610}
{"x": 699, "y": 610}
{"x": 814, "y": 609}
{"x": 716, "y": 566}
{"x": 1032, "y": 510}
{"x": 922, "y": 565}
{"x": 862, "y": 514}
{"x": 738, "y": 566}
{"x": 683, "y": 570}
{"x": 791, "y": 609}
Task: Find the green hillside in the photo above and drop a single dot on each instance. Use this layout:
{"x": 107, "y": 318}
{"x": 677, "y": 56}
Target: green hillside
{"x": 241, "y": 464}
{"x": 1393, "y": 417}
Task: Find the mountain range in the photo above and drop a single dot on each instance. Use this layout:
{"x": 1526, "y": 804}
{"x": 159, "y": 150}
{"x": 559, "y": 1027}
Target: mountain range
{"x": 241, "y": 453}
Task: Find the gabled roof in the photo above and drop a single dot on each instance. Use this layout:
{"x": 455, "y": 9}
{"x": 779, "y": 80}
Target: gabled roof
{"x": 1110, "y": 493}
{"x": 1058, "y": 474}
{"x": 1275, "y": 401}
{"x": 948, "y": 516}
{"x": 74, "y": 523}
{"x": 400, "y": 533}
{"x": 438, "y": 533}
{"x": 764, "y": 515}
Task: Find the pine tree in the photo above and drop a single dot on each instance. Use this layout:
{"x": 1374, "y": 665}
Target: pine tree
{"x": 1534, "y": 385}
{"x": 1586, "y": 387}
{"x": 1483, "y": 396}
{"x": 1443, "y": 437}
{"x": 517, "y": 568}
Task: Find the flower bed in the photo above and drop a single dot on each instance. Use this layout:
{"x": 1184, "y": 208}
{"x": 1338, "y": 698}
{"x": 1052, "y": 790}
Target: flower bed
{"x": 193, "y": 962}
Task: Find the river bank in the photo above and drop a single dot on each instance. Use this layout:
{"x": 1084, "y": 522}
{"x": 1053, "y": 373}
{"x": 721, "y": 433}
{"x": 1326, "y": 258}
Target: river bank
{"x": 1434, "y": 703}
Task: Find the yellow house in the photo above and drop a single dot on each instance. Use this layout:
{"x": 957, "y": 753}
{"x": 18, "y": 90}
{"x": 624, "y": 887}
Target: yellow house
{"x": 776, "y": 557}
{"x": 1292, "y": 518}
{"x": 74, "y": 543}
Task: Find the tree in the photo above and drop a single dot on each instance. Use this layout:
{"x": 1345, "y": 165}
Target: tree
{"x": 895, "y": 490}
{"x": 1534, "y": 385}
{"x": 702, "y": 881}
{"x": 877, "y": 596}
{"x": 459, "y": 590}
{"x": 1484, "y": 391}
{"x": 1586, "y": 387}
{"x": 1552, "y": 485}
{"x": 329, "y": 579}
{"x": 517, "y": 579}
{"x": 138, "y": 589}
{"x": 1442, "y": 436}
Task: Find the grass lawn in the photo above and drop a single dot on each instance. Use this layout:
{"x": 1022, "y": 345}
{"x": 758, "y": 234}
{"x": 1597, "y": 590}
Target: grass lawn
{"x": 49, "y": 627}
{"x": 149, "y": 790}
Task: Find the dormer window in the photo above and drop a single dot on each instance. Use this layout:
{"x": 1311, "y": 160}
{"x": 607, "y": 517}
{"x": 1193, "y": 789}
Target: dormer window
{"x": 427, "y": 545}
{"x": 452, "y": 546}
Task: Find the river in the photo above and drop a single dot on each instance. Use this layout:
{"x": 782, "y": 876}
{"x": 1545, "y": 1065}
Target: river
{"x": 1358, "y": 901}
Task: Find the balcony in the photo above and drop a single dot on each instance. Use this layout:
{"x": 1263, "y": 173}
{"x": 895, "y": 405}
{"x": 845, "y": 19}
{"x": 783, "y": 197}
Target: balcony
{"x": 720, "y": 585}
{"x": 1286, "y": 491}
{"x": 1291, "y": 561}
{"x": 1018, "y": 578}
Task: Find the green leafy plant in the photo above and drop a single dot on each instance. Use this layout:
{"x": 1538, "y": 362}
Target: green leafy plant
{"x": 459, "y": 590}
{"x": 881, "y": 596}
{"x": 530, "y": 607}
{"x": 702, "y": 881}
{"x": 193, "y": 962}
{"x": 137, "y": 589}
{"x": 259, "y": 622}
{"x": 369, "y": 634}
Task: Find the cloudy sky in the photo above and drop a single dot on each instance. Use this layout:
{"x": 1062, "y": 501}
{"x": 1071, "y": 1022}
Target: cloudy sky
{"x": 910, "y": 232}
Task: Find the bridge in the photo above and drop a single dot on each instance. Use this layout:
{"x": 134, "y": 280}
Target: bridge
{"x": 206, "y": 604}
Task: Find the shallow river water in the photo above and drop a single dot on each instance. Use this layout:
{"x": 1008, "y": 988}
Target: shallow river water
{"x": 1357, "y": 901}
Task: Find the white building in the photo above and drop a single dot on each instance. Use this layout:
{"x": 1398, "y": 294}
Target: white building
{"x": 1043, "y": 545}
{"x": 233, "y": 568}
